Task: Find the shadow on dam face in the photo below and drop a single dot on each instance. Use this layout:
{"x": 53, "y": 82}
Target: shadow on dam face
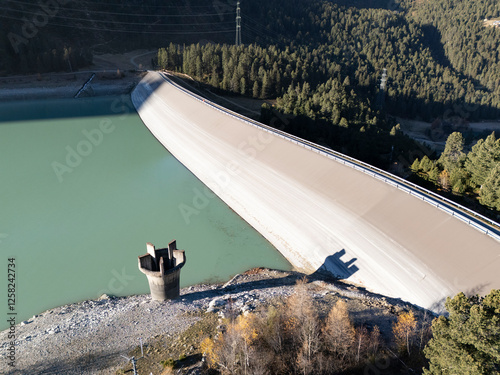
{"x": 339, "y": 268}
{"x": 332, "y": 269}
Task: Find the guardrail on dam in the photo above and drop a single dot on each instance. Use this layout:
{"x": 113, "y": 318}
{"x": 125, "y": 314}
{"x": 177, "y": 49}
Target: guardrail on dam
{"x": 472, "y": 218}
{"x": 322, "y": 209}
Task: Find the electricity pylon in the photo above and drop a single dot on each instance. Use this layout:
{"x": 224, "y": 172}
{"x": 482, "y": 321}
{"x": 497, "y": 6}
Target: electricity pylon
{"x": 238, "y": 24}
{"x": 134, "y": 360}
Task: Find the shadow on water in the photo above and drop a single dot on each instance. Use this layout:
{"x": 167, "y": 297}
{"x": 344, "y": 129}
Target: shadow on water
{"x": 99, "y": 106}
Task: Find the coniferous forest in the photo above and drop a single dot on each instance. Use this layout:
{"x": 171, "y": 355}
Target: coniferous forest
{"x": 319, "y": 62}
{"x": 328, "y": 80}
{"x": 342, "y": 73}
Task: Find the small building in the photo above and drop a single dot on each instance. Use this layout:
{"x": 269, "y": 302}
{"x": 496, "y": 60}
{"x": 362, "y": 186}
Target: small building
{"x": 163, "y": 268}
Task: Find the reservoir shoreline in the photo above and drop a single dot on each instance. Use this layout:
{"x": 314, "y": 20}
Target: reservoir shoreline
{"x": 104, "y": 187}
{"x": 67, "y": 85}
{"x": 90, "y": 337}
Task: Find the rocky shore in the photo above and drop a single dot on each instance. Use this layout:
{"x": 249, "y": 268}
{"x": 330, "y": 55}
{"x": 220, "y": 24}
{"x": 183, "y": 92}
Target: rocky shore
{"x": 67, "y": 85}
{"x": 91, "y": 337}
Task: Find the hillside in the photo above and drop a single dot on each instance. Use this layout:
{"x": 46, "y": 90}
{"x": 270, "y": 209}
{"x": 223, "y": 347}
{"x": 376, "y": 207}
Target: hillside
{"x": 437, "y": 56}
{"x": 90, "y": 337}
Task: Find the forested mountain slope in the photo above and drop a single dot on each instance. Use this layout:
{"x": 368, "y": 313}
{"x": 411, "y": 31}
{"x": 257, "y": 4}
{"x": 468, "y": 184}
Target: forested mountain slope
{"x": 321, "y": 60}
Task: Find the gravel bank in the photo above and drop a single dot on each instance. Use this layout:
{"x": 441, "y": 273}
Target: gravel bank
{"x": 90, "y": 337}
{"x": 55, "y": 86}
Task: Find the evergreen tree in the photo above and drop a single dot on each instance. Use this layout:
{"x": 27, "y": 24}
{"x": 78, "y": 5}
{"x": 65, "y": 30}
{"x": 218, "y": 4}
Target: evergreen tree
{"x": 490, "y": 191}
{"x": 255, "y": 90}
{"x": 243, "y": 86}
{"x": 483, "y": 156}
{"x": 266, "y": 86}
{"x": 453, "y": 155}
{"x": 415, "y": 167}
{"x": 468, "y": 340}
{"x": 434, "y": 174}
{"x": 458, "y": 180}
{"x": 162, "y": 58}
{"x": 426, "y": 164}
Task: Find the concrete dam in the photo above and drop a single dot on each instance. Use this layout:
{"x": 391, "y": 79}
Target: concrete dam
{"x": 318, "y": 210}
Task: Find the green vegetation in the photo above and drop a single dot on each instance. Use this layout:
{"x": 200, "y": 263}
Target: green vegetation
{"x": 322, "y": 108}
{"x": 476, "y": 173}
{"x": 439, "y": 56}
{"x": 468, "y": 340}
{"x": 324, "y": 65}
{"x": 295, "y": 338}
{"x": 321, "y": 63}
{"x": 334, "y": 335}
{"x": 168, "y": 363}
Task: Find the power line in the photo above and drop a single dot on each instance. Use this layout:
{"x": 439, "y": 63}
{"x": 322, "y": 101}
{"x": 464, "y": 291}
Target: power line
{"x": 126, "y": 23}
{"x": 159, "y": 32}
{"x": 119, "y": 4}
{"x": 262, "y": 34}
{"x": 117, "y": 13}
{"x": 134, "y": 360}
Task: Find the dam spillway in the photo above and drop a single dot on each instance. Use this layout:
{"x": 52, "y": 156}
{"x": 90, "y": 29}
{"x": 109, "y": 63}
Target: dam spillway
{"x": 316, "y": 211}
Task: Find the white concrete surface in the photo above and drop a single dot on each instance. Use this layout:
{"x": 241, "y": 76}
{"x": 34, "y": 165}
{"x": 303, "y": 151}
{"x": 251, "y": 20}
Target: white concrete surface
{"x": 311, "y": 207}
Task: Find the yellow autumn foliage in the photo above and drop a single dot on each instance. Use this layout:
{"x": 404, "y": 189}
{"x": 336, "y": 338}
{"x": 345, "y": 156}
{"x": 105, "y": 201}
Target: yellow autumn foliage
{"x": 404, "y": 330}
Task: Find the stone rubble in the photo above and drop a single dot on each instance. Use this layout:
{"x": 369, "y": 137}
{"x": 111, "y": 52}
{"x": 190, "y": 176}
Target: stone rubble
{"x": 89, "y": 337}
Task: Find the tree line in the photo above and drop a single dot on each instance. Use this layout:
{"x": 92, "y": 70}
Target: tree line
{"x": 476, "y": 172}
{"x": 299, "y": 337}
{"x": 322, "y": 104}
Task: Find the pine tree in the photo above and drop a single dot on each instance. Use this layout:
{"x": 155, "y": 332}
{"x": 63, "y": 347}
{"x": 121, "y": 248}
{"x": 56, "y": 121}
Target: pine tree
{"x": 458, "y": 180}
{"x": 415, "y": 167}
{"x": 343, "y": 122}
{"x": 426, "y": 164}
{"x": 243, "y": 86}
{"x": 434, "y": 174}
{"x": 468, "y": 340}
{"x": 266, "y": 86}
{"x": 490, "y": 191}
{"x": 255, "y": 90}
{"x": 162, "y": 58}
{"x": 482, "y": 158}
{"x": 453, "y": 155}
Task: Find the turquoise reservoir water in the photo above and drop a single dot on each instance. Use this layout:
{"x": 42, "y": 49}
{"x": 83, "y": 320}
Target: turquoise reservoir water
{"x": 83, "y": 187}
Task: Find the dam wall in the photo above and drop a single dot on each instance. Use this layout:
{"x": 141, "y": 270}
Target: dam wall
{"x": 319, "y": 211}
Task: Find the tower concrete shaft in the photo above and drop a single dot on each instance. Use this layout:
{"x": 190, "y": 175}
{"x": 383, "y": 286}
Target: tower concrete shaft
{"x": 162, "y": 268}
